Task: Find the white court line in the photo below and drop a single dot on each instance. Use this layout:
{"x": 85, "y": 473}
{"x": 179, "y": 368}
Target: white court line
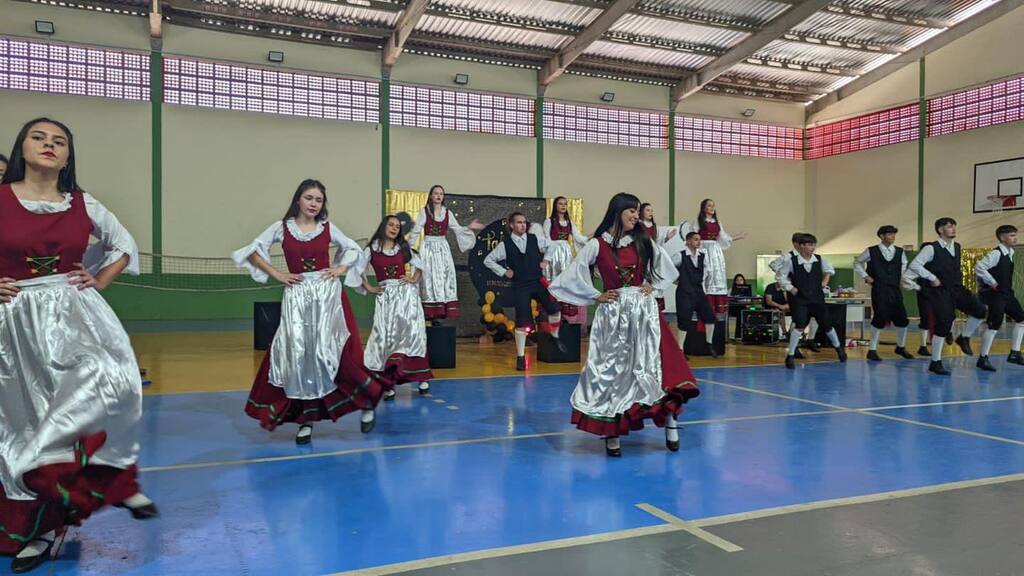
{"x": 691, "y": 528}
{"x": 950, "y": 403}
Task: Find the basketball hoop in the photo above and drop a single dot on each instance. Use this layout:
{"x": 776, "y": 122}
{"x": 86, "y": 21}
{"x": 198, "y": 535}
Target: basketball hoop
{"x": 997, "y": 203}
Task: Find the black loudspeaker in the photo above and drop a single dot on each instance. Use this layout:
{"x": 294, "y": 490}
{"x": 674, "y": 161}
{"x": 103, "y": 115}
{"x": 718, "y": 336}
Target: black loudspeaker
{"x": 441, "y": 346}
{"x": 547, "y": 351}
{"x": 759, "y": 326}
{"x": 696, "y": 344}
{"x": 266, "y": 316}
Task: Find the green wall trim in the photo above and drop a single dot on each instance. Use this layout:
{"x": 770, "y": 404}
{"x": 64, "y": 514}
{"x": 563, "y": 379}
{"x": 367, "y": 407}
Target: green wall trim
{"x": 538, "y": 134}
{"x": 922, "y": 133}
{"x": 385, "y": 141}
{"x": 671, "y": 166}
{"x": 156, "y": 97}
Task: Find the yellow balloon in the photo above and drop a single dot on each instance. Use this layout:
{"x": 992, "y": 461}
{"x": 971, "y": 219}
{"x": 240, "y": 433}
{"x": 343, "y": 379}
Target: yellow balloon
{"x": 488, "y": 317}
{"x": 500, "y": 318}
{"x": 511, "y": 325}
{"x": 489, "y": 297}
{"x": 486, "y": 308}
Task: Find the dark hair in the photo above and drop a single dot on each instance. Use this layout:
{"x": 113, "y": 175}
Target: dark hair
{"x": 428, "y": 205}
{"x": 554, "y": 209}
{"x": 701, "y": 218}
{"x": 3, "y": 159}
{"x": 512, "y": 217}
{"x": 795, "y": 238}
{"x": 381, "y": 235}
{"x": 734, "y": 278}
{"x": 293, "y": 208}
{"x": 691, "y": 234}
{"x": 807, "y": 239}
{"x": 943, "y": 221}
{"x": 66, "y": 181}
{"x": 612, "y": 223}
{"x": 1005, "y": 229}
{"x": 645, "y": 205}
{"x": 887, "y": 229}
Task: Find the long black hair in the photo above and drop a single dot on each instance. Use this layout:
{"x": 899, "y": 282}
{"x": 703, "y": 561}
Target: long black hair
{"x": 66, "y": 181}
{"x": 429, "y": 206}
{"x": 612, "y": 223}
{"x": 554, "y": 210}
{"x": 381, "y": 235}
{"x": 644, "y": 207}
{"x": 293, "y": 208}
{"x": 701, "y": 218}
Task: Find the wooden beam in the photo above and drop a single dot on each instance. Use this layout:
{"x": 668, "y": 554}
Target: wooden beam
{"x": 747, "y": 48}
{"x": 958, "y": 31}
{"x": 406, "y": 24}
{"x": 556, "y": 66}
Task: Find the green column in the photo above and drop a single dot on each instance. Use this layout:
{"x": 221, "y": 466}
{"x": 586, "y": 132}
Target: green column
{"x": 922, "y": 133}
{"x": 385, "y": 140}
{"x": 156, "y": 98}
{"x": 538, "y": 134}
{"x": 671, "y": 166}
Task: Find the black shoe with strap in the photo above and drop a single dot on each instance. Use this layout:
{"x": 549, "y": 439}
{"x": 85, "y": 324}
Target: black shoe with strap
{"x": 1015, "y": 358}
{"x": 936, "y": 367}
{"x": 965, "y": 345}
{"x": 145, "y": 512}
{"x": 984, "y": 364}
{"x": 901, "y": 351}
{"x": 873, "y": 356}
{"x": 29, "y": 563}
{"x": 841, "y": 353}
{"x": 790, "y": 362}
{"x": 672, "y": 445}
{"x": 520, "y": 363}
{"x": 924, "y": 352}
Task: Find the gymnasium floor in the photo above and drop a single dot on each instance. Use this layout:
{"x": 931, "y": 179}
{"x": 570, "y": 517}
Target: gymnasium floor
{"x": 828, "y": 469}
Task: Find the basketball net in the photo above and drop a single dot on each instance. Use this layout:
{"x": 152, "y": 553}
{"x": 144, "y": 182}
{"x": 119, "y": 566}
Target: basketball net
{"x": 999, "y": 203}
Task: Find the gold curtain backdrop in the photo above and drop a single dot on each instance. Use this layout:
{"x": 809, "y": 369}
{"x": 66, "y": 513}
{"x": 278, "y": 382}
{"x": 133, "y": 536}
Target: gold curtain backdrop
{"x": 412, "y": 201}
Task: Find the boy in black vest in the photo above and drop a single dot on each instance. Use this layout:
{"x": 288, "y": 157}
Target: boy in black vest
{"x": 522, "y": 254}
{"x": 775, "y": 266}
{"x": 938, "y": 265}
{"x": 805, "y": 275}
{"x": 995, "y": 288}
{"x": 690, "y": 297}
{"x": 882, "y": 266}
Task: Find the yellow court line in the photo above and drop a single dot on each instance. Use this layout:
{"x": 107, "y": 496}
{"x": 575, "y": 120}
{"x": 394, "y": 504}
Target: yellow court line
{"x": 691, "y": 528}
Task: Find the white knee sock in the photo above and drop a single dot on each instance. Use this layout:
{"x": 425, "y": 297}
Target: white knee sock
{"x": 875, "y": 335}
{"x": 671, "y": 432}
{"x": 937, "y": 343}
{"x": 612, "y": 442}
{"x": 367, "y": 416}
{"x": 556, "y": 323}
{"x": 987, "y": 338}
{"x": 794, "y": 341}
{"x": 901, "y": 337}
{"x": 137, "y": 500}
{"x": 682, "y": 338}
{"x": 1018, "y": 335}
{"x": 924, "y": 337}
{"x": 37, "y": 547}
{"x": 972, "y": 326}
{"x": 520, "y": 342}
{"x": 812, "y": 329}
{"x": 709, "y": 333}
{"x": 833, "y": 337}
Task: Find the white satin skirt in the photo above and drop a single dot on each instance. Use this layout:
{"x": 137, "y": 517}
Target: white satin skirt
{"x": 559, "y": 256}
{"x": 715, "y": 283}
{"x": 67, "y": 370}
{"x": 398, "y": 325}
{"x": 624, "y": 359}
{"x": 306, "y": 351}
{"x": 438, "y": 284}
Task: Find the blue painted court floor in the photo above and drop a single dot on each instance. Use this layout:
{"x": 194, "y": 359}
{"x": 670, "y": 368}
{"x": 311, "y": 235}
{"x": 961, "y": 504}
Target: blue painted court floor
{"x": 487, "y": 463}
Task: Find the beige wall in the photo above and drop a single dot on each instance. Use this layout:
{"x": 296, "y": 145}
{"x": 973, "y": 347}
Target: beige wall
{"x": 787, "y": 113}
{"x": 221, "y": 190}
{"x": 596, "y": 172}
{"x": 762, "y": 197}
{"x": 83, "y": 26}
{"x": 112, "y": 148}
{"x": 415, "y": 69}
{"x": 898, "y": 88}
{"x": 463, "y": 162}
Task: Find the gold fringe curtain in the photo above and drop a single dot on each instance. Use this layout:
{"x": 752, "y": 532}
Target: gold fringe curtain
{"x": 412, "y": 201}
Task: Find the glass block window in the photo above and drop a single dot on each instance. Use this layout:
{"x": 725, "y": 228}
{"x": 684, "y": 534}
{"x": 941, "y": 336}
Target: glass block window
{"x": 189, "y": 82}
{"x": 738, "y": 138}
{"x": 891, "y": 126}
{"x": 67, "y": 69}
{"x": 422, "y": 107}
{"x": 997, "y": 103}
{"x": 598, "y": 125}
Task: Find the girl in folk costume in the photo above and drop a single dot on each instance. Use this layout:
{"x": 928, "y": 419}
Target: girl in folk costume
{"x": 397, "y": 348}
{"x": 438, "y": 288}
{"x": 565, "y": 240}
{"x": 70, "y": 391}
{"x": 634, "y": 367}
{"x": 714, "y": 241}
{"x": 658, "y": 234}
{"x": 314, "y": 369}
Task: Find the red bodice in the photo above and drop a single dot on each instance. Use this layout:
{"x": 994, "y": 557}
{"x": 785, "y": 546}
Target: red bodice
{"x": 559, "y": 232}
{"x": 387, "y": 267}
{"x": 434, "y": 228}
{"x": 709, "y": 231}
{"x": 33, "y": 245}
{"x": 307, "y": 256}
{"x": 619, "y": 267}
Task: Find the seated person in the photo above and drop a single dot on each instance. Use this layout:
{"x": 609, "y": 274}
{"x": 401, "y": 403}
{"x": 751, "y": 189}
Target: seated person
{"x": 740, "y": 286}
{"x": 776, "y": 298}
